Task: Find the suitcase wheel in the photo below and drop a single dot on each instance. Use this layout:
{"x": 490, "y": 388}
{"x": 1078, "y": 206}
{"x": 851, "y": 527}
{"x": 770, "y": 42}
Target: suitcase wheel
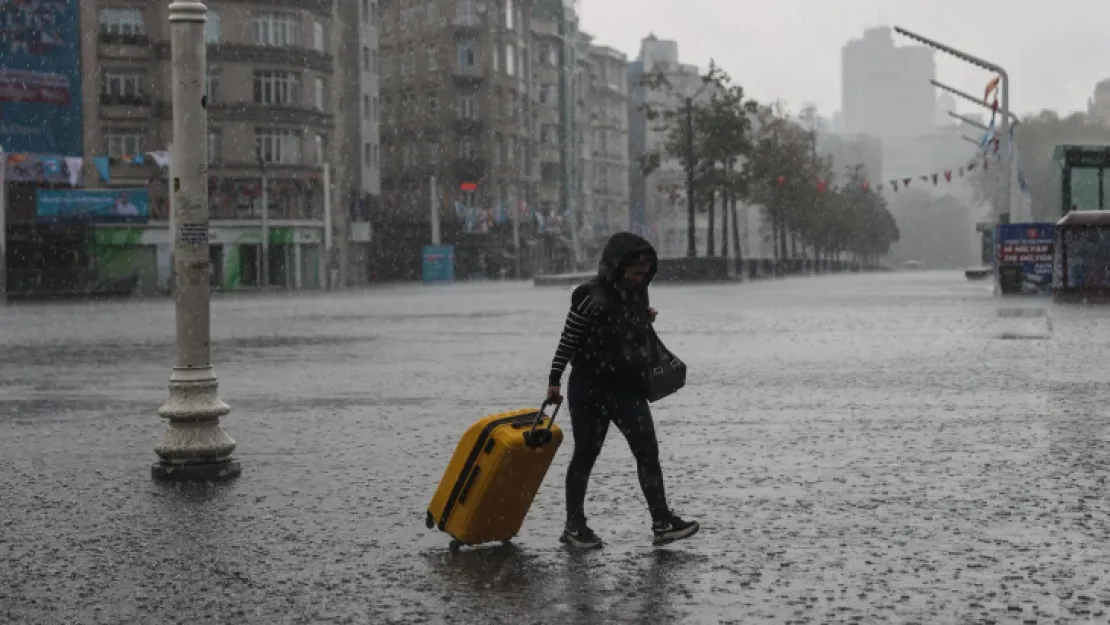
{"x": 454, "y": 545}
{"x": 429, "y": 521}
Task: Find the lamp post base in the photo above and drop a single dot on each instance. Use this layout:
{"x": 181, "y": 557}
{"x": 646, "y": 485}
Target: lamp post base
{"x": 194, "y": 446}
{"x": 210, "y": 471}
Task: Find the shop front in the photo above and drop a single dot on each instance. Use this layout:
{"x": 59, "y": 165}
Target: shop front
{"x": 235, "y": 253}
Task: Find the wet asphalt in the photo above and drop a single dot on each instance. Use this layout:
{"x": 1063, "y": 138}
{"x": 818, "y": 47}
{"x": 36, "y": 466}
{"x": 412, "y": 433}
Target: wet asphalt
{"x": 895, "y": 448}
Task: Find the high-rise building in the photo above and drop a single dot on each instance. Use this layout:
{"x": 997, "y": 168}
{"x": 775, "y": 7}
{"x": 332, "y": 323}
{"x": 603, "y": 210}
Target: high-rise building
{"x": 456, "y": 108}
{"x": 358, "y": 176}
{"x": 657, "y": 181}
{"x": 886, "y": 94}
{"x": 607, "y": 99}
{"x": 274, "y": 105}
{"x": 886, "y": 91}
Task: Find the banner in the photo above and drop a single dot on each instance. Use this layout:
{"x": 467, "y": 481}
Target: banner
{"x": 1030, "y": 245}
{"x": 40, "y": 77}
{"x": 93, "y": 205}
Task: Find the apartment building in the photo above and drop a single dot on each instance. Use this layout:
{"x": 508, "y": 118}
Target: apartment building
{"x": 358, "y": 186}
{"x": 273, "y": 112}
{"x": 607, "y": 101}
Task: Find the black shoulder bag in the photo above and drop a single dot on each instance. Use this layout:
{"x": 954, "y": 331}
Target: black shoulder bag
{"x": 667, "y": 373}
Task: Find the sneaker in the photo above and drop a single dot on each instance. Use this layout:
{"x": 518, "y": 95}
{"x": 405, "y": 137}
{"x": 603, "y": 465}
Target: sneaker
{"x": 580, "y": 537}
{"x": 672, "y": 529}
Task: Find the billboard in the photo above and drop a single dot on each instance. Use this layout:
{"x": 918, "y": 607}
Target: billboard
{"x": 93, "y": 205}
{"x": 40, "y": 77}
{"x": 1029, "y": 245}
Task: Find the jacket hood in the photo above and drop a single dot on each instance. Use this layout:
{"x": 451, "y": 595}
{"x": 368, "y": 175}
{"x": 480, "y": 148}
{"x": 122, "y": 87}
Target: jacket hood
{"x": 621, "y": 248}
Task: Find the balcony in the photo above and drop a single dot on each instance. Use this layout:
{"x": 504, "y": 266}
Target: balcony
{"x": 468, "y": 21}
{"x": 467, "y": 73}
{"x": 470, "y": 169}
{"x": 469, "y": 126}
{"x": 126, "y": 107}
{"x": 119, "y": 46}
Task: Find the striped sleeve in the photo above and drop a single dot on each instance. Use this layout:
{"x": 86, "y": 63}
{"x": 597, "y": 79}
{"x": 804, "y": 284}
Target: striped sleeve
{"x": 578, "y": 320}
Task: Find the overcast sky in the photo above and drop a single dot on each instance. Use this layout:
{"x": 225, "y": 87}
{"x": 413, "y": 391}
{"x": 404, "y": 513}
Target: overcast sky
{"x": 1054, "y": 50}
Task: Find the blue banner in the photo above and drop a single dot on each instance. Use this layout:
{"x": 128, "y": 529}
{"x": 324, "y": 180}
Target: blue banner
{"x": 438, "y": 263}
{"x": 93, "y": 205}
{"x": 1030, "y": 245}
{"x": 40, "y": 77}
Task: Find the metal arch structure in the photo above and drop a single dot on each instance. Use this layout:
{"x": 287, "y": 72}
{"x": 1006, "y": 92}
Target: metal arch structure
{"x": 970, "y": 98}
{"x": 1004, "y": 87}
{"x": 968, "y": 121}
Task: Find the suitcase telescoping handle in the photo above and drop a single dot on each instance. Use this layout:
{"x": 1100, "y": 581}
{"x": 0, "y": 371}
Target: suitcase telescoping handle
{"x": 537, "y": 436}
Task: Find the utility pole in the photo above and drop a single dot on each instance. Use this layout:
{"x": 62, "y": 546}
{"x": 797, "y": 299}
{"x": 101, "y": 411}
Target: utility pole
{"x": 194, "y": 446}
{"x": 691, "y": 224}
{"x": 264, "y": 262}
{"x": 1004, "y": 87}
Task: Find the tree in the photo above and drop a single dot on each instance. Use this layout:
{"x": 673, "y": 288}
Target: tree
{"x": 682, "y": 121}
{"x": 1036, "y": 137}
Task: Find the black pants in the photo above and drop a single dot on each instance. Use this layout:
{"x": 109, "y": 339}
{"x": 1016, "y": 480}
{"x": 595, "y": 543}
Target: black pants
{"x": 593, "y": 405}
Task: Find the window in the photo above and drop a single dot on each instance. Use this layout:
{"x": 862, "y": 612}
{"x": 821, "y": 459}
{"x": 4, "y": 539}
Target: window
{"x": 276, "y": 88}
{"x": 321, "y": 149}
{"x": 124, "y": 143}
{"x": 549, "y": 134}
{"x": 430, "y": 51}
{"x": 375, "y": 111}
{"x": 435, "y": 153}
{"x": 366, "y": 59}
{"x": 496, "y": 59}
{"x": 212, "y": 85}
{"x": 466, "y": 54}
{"x": 433, "y": 104}
{"x": 215, "y": 145}
{"x": 212, "y": 27}
{"x": 548, "y": 95}
{"x": 277, "y": 28}
{"x": 318, "y": 36}
{"x": 122, "y": 83}
{"x": 366, "y": 155}
{"x": 467, "y": 107}
{"x": 365, "y": 10}
{"x": 509, "y": 14}
{"x": 510, "y": 59}
{"x": 321, "y": 95}
{"x": 278, "y": 145}
{"x": 468, "y": 149}
{"x": 118, "y": 21}
{"x": 366, "y": 107}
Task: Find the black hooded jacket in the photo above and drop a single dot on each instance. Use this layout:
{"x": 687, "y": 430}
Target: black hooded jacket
{"x": 607, "y": 330}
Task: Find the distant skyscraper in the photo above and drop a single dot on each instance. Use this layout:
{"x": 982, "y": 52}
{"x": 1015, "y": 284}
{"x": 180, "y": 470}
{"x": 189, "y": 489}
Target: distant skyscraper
{"x": 886, "y": 91}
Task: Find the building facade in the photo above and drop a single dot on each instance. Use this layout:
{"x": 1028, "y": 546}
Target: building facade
{"x": 656, "y": 175}
{"x": 456, "y": 112}
{"x": 273, "y": 101}
{"x": 358, "y": 186}
{"x": 608, "y": 103}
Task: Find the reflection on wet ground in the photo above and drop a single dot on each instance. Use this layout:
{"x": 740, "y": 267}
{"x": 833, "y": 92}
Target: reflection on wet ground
{"x": 859, "y": 449}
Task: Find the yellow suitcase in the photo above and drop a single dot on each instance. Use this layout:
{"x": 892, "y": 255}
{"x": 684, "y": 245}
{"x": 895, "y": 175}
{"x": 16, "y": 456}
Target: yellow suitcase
{"x": 494, "y": 475}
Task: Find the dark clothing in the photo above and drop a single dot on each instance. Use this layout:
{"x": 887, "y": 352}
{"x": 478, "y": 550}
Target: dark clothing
{"x": 592, "y": 408}
{"x": 606, "y": 334}
{"x": 606, "y": 341}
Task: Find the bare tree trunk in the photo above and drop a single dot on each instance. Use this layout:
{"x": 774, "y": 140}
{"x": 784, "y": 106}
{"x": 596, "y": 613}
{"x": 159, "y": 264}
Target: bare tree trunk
{"x": 736, "y": 237}
{"x": 724, "y": 223}
{"x": 711, "y": 206}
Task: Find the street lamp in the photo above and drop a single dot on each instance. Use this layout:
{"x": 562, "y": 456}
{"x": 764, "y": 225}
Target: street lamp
{"x": 194, "y": 447}
{"x": 970, "y": 98}
{"x": 1004, "y": 79}
{"x": 688, "y": 115}
{"x": 968, "y": 121}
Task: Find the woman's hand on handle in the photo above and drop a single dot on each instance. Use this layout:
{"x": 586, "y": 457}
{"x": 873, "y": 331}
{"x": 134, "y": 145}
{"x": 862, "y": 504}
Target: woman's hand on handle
{"x": 553, "y": 392}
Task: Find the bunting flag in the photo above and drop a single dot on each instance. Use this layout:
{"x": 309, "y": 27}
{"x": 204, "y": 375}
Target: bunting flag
{"x": 992, "y": 86}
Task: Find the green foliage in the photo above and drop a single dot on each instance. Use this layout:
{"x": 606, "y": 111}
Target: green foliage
{"x": 738, "y": 149}
{"x": 1036, "y": 137}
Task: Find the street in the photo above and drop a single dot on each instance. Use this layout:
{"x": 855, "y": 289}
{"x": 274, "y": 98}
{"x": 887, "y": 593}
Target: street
{"x": 902, "y": 448}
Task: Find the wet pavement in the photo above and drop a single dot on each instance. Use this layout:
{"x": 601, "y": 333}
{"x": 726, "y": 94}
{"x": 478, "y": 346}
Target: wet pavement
{"x": 899, "y": 448}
